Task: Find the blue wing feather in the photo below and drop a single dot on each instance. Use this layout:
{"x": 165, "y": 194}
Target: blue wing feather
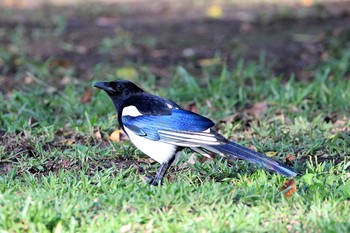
{"x": 179, "y": 120}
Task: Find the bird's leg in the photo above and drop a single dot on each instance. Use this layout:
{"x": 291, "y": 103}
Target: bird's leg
{"x": 161, "y": 172}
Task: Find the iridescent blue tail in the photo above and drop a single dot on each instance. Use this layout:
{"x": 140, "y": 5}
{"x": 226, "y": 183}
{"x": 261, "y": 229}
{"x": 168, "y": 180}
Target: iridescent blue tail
{"x": 241, "y": 152}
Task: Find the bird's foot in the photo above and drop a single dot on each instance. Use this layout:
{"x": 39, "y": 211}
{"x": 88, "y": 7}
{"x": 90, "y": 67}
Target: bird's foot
{"x": 154, "y": 181}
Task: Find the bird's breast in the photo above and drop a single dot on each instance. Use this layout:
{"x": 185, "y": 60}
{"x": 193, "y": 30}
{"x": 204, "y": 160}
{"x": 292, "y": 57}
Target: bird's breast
{"x": 159, "y": 151}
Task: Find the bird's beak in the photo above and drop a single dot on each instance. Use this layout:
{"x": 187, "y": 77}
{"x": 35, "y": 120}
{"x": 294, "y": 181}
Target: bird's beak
{"x": 104, "y": 86}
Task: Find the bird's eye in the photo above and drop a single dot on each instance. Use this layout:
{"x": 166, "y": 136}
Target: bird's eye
{"x": 118, "y": 87}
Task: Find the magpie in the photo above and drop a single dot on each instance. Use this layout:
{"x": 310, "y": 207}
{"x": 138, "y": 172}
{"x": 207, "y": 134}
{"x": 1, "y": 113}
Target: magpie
{"x": 160, "y": 128}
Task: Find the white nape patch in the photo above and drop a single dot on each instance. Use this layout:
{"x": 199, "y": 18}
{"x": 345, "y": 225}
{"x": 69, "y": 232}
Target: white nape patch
{"x": 157, "y": 150}
{"x": 131, "y": 111}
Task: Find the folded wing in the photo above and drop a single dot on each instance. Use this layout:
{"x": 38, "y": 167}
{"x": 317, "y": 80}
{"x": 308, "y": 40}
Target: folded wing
{"x": 181, "y": 128}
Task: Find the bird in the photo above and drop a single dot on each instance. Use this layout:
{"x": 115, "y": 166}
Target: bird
{"x": 160, "y": 128}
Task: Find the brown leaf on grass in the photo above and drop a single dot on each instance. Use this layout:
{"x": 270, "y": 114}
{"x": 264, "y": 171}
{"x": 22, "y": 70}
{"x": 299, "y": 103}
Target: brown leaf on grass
{"x": 231, "y": 118}
{"x": 98, "y": 134}
{"x": 271, "y": 153}
{"x": 252, "y": 147}
{"x": 200, "y": 159}
{"x": 118, "y": 136}
{"x": 290, "y": 158}
{"x": 191, "y": 107}
{"x": 340, "y": 126}
{"x": 191, "y": 160}
{"x": 66, "y": 163}
{"x": 289, "y": 188}
{"x": 70, "y": 142}
{"x": 63, "y": 133}
{"x": 86, "y": 97}
{"x": 62, "y": 63}
{"x": 28, "y": 79}
{"x": 147, "y": 160}
{"x": 66, "y": 80}
{"x": 257, "y": 109}
{"x": 205, "y": 62}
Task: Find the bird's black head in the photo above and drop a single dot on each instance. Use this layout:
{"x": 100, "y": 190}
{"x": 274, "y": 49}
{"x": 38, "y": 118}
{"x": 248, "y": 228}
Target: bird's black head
{"x": 118, "y": 90}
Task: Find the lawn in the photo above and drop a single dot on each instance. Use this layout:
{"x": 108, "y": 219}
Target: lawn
{"x": 61, "y": 172}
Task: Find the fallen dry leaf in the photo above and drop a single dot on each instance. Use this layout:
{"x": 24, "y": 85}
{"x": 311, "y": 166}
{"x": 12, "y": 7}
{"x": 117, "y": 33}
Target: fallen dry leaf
{"x": 191, "y": 107}
{"x": 98, "y": 134}
{"x": 257, "y": 109}
{"x": 191, "y": 160}
{"x": 252, "y": 147}
{"x": 205, "y": 62}
{"x": 61, "y": 63}
{"x": 118, "y": 136}
{"x": 147, "y": 160}
{"x": 86, "y": 97}
{"x": 289, "y": 188}
{"x": 231, "y": 118}
{"x": 28, "y": 79}
{"x": 290, "y": 158}
{"x": 271, "y": 153}
{"x": 65, "y": 80}
{"x": 115, "y": 136}
{"x": 69, "y": 142}
{"x": 201, "y": 159}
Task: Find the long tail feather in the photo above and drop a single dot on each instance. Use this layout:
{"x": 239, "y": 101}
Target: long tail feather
{"x": 241, "y": 152}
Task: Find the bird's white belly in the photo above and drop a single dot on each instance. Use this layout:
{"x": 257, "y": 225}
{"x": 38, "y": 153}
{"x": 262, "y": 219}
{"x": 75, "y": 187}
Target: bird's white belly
{"x": 159, "y": 151}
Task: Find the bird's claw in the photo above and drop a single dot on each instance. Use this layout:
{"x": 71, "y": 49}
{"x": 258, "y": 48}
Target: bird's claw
{"x": 153, "y": 181}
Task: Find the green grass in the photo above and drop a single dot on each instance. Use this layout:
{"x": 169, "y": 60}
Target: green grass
{"x": 97, "y": 186}
{"x": 56, "y": 175}
{"x": 89, "y": 195}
